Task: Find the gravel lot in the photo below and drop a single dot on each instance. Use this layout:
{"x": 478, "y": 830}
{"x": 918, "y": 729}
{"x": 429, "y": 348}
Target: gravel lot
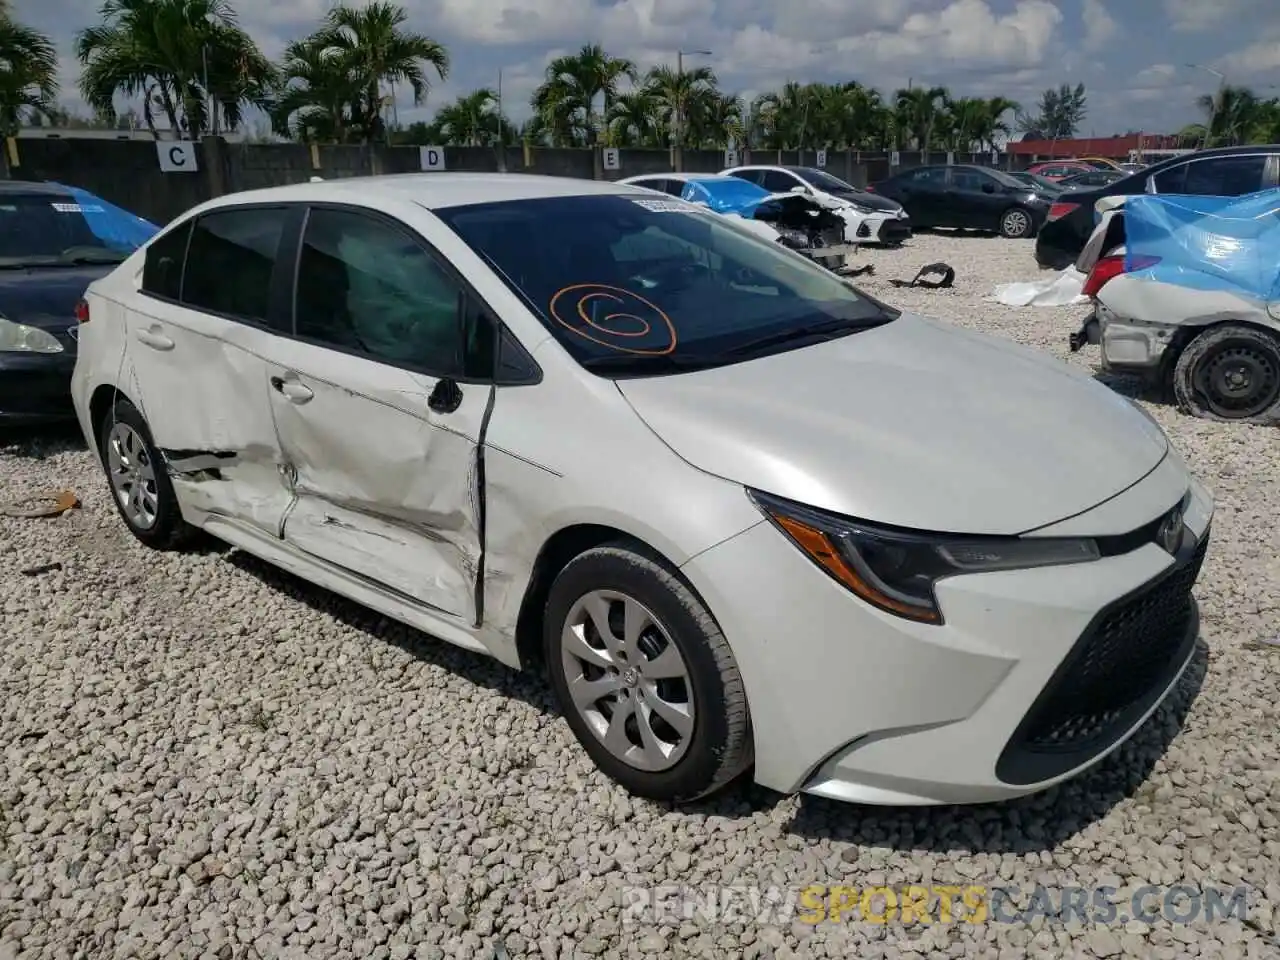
{"x": 205, "y": 758}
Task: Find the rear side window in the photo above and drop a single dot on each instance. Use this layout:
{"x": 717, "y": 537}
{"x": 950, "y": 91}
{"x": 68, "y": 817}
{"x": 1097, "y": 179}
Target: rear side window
{"x": 775, "y": 181}
{"x": 1226, "y": 176}
{"x": 162, "y": 269}
{"x": 230, "y": 261}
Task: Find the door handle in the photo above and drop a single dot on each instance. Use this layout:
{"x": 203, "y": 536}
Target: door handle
{"x": 292, "y": 390}
{"x": 153, "y": 338}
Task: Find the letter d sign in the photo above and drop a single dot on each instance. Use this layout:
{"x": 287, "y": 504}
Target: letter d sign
{"x": 432, "y": 158}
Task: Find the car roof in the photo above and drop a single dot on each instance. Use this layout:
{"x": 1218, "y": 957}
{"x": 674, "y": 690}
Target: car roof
{"x": 38, "y": 187}
{"x": 435, "y": 191}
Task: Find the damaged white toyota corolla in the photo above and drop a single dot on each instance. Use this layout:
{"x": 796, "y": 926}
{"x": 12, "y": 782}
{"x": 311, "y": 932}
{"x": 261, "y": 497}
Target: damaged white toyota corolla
{"x": 745, "y": 515}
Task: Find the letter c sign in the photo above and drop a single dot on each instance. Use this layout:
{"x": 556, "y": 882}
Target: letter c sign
{"x": 176, "y": 156}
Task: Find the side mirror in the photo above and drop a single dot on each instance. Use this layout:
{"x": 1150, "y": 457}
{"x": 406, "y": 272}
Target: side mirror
{"x": 988, "y": 188}
{"x": 799, "y": 189}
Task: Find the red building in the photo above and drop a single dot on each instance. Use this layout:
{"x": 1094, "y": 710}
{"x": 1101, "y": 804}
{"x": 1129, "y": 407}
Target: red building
{"x": 1110, "y": 148}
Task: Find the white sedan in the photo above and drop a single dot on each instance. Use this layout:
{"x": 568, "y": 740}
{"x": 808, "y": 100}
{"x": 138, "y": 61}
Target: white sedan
{"x": 744, "y": 516}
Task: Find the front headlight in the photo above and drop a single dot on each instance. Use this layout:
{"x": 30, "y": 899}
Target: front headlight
{"x": 896, "y": 570}
{"x": 20, "y": 338}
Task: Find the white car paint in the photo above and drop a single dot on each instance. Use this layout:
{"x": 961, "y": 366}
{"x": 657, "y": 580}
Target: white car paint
{"x": 758, "y": 227}
{"x": 339, "y": 471}
{"x": 853, "y": 215}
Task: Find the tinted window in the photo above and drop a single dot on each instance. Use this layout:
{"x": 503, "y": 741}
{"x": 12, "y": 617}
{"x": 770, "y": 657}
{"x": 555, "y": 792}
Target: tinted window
{"x": 162, "y": 269}
{"x": 1225, "y": 176}
{"x": 970, "y": 180}
{"x": 1172, "y": 180}
{"x": 371, "y": 288}
{"x": 44, "y": 228}
{"x": 651, "y": 183}
{"x": 927, "y": 176}
{"x": 775, "y": 181}
{"x": 751, "y": 176}
{"x": 824, "y": 181}
{"x": 230, "y": 260}
{"x": 624, "y": 283}
{"x": 674, "y": 187}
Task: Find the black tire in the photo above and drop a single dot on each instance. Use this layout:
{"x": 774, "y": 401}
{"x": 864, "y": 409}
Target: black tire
{"x": 1016, "y": 223}
{"x": 169, "y": 531}
{"x": 720, "y": 746}
{"x": 1201, "y": 377}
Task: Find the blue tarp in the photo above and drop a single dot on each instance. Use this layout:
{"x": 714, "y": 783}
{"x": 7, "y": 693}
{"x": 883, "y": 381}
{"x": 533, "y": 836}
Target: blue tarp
{"x": 725, "y": 194}
{"x": 115, "y": 227}
{"x": 1207, "y": 243}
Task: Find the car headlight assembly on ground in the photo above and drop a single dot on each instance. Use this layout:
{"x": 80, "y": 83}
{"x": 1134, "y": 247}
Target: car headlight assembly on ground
{"x": 896, "y": 570}
{"x": 20, "y": 338}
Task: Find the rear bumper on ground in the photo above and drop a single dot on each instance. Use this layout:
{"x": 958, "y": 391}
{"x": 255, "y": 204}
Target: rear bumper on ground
{"x": 861, "y": 706}
{"x": 35, "y": 388}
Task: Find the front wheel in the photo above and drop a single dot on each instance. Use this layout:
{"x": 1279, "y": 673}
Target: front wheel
{"x": 644, "y": 676}
{"x": 1230, "y": 372}
{"x": 1016, "y": 223}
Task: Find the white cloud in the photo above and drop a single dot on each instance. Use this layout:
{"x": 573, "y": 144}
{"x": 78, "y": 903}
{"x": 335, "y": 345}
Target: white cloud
{"x": 1099, "y": 25}
{"x": 1193, "y": 16}
{"x": 1254, "y": 60}
{"x": 531, "y": 21}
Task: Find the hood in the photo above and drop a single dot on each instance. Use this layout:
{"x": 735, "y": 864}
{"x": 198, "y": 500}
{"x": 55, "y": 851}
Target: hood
{"x": 915, "y": 424}
{"x": 46, "y": 297}
{"x": 869, "y": 201}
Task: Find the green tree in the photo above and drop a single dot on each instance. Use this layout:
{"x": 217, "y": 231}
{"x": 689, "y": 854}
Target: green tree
{"x": 565, "y": 103}
{"x": 163, "y": 51}
{"x": 1060, "y": 113}
{"x": 28, "y": 74}
{"x": 472, "y": 120}
{"x": 919, "y": 111}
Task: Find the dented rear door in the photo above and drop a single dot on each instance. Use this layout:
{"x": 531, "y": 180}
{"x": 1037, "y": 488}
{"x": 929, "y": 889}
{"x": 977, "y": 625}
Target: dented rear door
{"x": 380, "y": 438}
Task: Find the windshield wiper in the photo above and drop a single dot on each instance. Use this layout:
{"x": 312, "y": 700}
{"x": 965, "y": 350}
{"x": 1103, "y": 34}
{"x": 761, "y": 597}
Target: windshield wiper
{"x": 827, "y": 328}
{"x": 651, "y": 362}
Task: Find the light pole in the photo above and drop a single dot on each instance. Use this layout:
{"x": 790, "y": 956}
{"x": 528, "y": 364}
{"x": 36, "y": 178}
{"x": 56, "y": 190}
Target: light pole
{"x": 1213, "y": 102}
{"x": 680, "y": 54}
{"x": 210, "y": 25}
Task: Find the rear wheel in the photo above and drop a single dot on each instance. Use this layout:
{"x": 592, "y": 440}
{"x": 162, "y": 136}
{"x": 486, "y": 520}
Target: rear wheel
{"x": 644, "y": 676}
{"x": 1230, "y": 372}
{"x": 1016, "y": 223}
{"x": 139, "y": 483}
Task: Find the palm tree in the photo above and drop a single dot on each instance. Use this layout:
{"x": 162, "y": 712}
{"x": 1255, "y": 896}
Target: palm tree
{"x": 1231, "y": 112}
{"x": 565, "y": 101}
{"x": 374, "y": 49}
{"x": 919, "y": 110}
{"x": 781, "y": 118}
{"x": 162, "y": 51}
{"x": 722, "y": 118}
{"x": 634, "y": 120}
{"x": 681, "y": 96}
{"x": 28, "y": 73}
{"x": 472, "y": 120}
{"x": 315, "y": 89}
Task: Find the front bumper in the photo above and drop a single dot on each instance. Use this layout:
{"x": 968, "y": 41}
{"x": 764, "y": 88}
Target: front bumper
{"x": 857, "y": 705}
{"x": 882, "y": 228}
{"x": 36, "y": 388}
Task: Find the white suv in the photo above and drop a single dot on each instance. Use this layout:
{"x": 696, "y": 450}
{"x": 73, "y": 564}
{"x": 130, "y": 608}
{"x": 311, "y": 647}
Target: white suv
{"x": 868, "y": 218}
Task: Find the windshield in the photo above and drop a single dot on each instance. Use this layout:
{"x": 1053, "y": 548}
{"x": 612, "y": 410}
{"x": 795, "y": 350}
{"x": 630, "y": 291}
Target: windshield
{"x": 49, "y": 229}
{"x": 825, "y": 181}
{"x": 634, "y": 286}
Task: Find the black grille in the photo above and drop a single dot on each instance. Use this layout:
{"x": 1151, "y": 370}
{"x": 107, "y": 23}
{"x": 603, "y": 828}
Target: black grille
{"x": 1121, "y": 663}
{"x": 894, "y": 231}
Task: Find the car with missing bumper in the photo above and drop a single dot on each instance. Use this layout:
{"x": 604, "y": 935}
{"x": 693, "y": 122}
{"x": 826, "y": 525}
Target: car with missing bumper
{"x": 745, "y": 516}
{"x": 868, "y": 218}
{"x": 1186, "y": 294}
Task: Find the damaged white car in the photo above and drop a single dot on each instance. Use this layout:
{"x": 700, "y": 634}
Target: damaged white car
{"x": 1186, "y": 293}
{"x": 744, "y": 515}
{"x": 868, "y": 217}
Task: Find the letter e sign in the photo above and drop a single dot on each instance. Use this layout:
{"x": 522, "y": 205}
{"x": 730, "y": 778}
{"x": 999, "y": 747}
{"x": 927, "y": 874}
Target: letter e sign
{"x": 176, "y": 156}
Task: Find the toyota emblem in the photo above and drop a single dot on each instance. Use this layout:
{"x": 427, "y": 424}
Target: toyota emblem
{"x": 1170, "y": 533}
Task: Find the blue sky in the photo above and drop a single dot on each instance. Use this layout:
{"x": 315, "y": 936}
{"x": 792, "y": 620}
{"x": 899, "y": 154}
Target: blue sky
{"x": 1132, "y": 55}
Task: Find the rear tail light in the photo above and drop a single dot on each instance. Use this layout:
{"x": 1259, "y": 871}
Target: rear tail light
{"x": 871, "y": 188}
{"x": 1108, "y": 268}
{"x": 1059, "y": 210}
{"x": 82, "y": 311}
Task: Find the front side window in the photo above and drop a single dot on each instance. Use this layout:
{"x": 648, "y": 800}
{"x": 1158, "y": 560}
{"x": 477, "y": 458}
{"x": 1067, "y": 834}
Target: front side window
{"x": 750, "y": 175}
{"x": 633, "y": 286}
{"x": 230, "y": 260}
{"x": 368, "y": 287}
{"x": 928, "y": 177}
{"x": 162, "y": 268}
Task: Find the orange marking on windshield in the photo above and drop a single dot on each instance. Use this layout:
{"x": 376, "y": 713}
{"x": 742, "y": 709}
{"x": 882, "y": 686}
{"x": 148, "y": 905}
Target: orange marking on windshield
{"x": 620, "y": 324}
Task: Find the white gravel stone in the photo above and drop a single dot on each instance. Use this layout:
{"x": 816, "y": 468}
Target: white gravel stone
{"x": 199, "y": 754}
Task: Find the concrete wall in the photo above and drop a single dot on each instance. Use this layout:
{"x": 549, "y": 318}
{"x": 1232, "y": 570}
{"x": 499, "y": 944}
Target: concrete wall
{"x": 127, "y": 172}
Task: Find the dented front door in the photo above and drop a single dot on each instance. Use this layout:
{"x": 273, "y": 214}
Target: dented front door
{"x": 384, "y": 487}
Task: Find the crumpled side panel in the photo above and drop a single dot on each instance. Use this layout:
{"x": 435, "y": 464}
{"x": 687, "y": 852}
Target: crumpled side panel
{"x": 1228, "y": 244}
